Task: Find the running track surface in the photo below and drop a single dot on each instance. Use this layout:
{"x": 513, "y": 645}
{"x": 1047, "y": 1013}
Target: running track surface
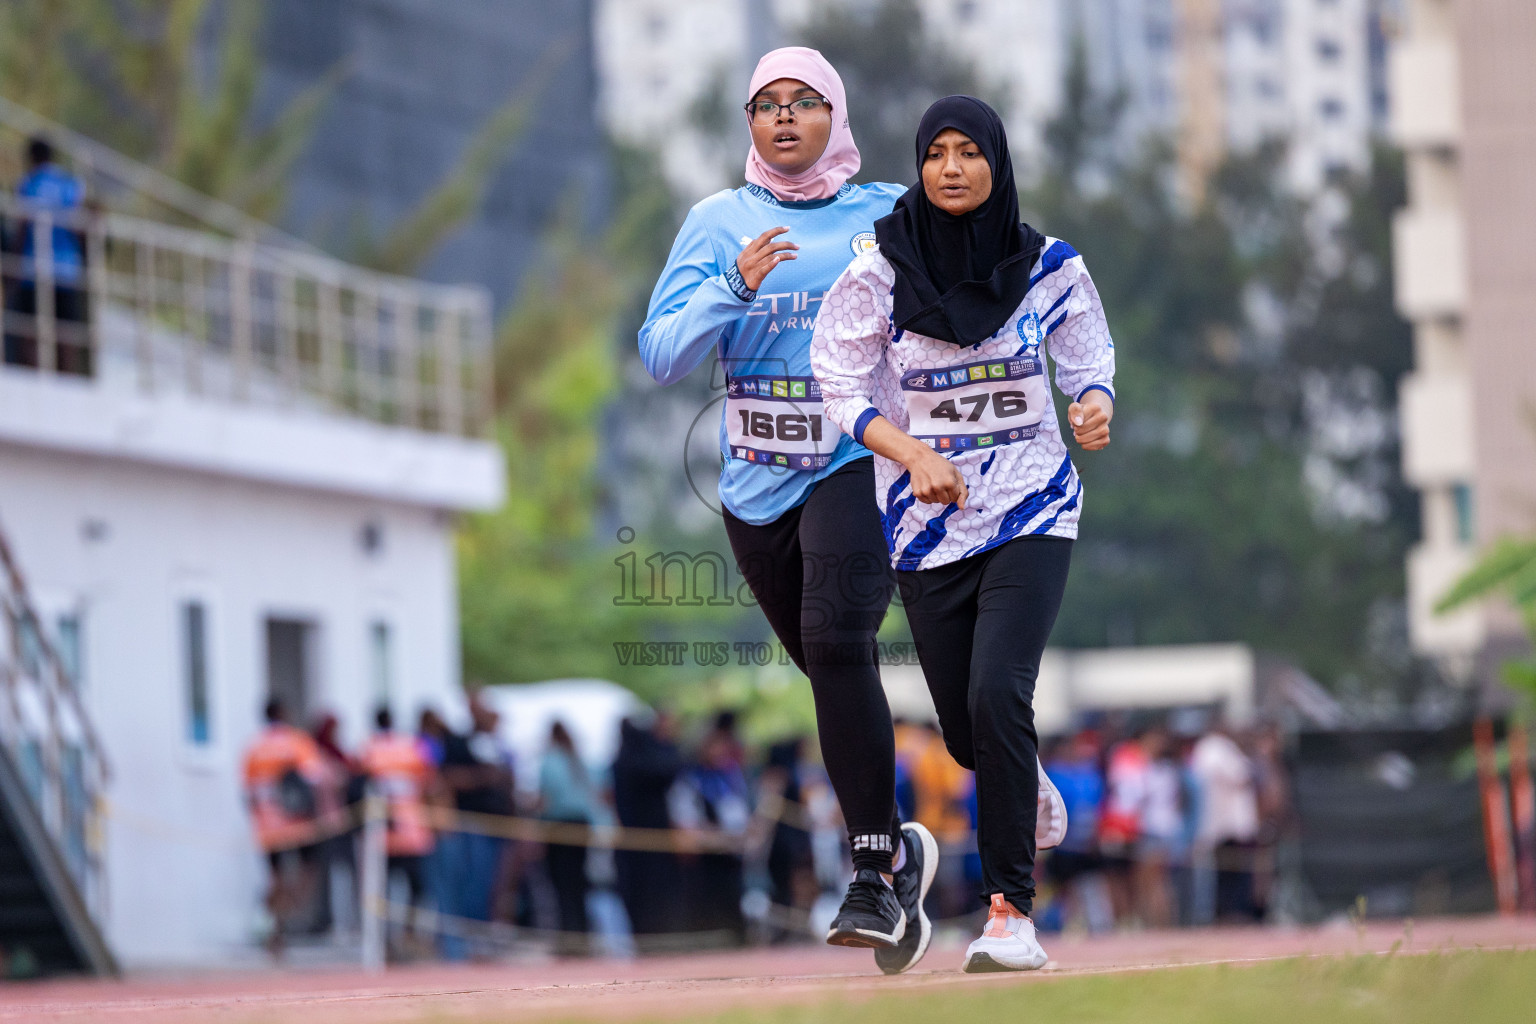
{"x": 673, "y": 986}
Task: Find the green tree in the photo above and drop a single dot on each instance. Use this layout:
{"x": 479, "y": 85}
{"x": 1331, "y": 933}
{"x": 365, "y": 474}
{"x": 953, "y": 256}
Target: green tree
{"x": 1242, "y": 343}
{"x": 129, "y": 74}
{"x": 173, "y": 84}
{"x": 537, "y": 584}
{"x": 1507, "y": 568}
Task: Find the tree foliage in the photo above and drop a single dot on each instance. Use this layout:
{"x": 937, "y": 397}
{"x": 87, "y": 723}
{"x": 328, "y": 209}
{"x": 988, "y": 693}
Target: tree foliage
{"x": 1507, "y": 568}
{"x": 171, "y": 83}
{"x": 174, "y": 84}
{"x": 1252, "y": 493}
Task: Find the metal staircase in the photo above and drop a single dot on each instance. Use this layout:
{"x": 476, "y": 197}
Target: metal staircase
{"x": 53, "y": 776}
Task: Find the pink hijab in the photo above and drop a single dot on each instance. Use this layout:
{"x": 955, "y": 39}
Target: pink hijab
{"x": 841, "y": 159}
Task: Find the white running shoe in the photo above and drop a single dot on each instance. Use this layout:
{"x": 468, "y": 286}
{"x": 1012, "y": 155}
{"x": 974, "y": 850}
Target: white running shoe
{"x": 1050, "y": 813}
{"x": 1007, "y": 944}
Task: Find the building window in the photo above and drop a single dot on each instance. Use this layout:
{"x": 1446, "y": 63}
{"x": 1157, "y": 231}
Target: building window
{"x": 380, "y": 663}
{"x": 194, "y": 663}
{"x": 72, "y": 647}
{"x": 1461, "y": 494}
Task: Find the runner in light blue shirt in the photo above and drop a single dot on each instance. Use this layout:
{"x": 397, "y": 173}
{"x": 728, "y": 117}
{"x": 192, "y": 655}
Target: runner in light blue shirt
{"x": 745, "y": 281}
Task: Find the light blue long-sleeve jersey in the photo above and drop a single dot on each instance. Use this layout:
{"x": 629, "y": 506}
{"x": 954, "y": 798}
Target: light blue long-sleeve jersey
{"x": 695, "y": 310}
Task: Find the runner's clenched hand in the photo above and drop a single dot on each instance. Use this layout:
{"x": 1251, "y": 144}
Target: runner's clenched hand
{"x": 761, "y": 255}
{"x": 936, "y": 480}
{"x": 1090, "y": 418}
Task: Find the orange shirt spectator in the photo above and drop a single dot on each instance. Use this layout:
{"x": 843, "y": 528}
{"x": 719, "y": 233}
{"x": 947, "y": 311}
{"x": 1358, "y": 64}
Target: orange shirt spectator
{"x": 284, "y": 771}
{"x": 939, "y": 788}
{"x": 399, "y": 768}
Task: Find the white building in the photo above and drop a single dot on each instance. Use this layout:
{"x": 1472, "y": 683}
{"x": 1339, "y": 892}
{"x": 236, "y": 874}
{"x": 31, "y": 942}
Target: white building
{"x": 655, "y": 60}
{"x": 678, "y": 52}
{"x": 1019, "y": 46}
{"x": 1464, "y": 111}
{"x": 1301, "y": 70}
{"x": 1230, "y": 74}
{"x": 252, "y": 493}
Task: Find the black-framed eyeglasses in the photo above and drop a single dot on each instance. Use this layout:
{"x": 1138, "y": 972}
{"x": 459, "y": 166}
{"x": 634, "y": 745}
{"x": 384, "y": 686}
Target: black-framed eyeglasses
{"x": 806, "y": 108}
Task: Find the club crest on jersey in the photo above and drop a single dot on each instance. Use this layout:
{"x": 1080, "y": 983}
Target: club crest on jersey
{"x": 862, "y": 243}
{"x": 1029, "y": 331}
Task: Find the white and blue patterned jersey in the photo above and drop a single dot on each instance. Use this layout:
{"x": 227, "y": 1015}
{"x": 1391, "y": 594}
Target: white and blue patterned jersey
{"x": 700, "y": 305}
{"x": 1018, "y": 487}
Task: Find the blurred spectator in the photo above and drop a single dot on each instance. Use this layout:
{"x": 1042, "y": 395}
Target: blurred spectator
{"x": 1120, "y": 822}
{"x": 432, "y": 734}
{"x": 398, "y": 768}
{"x": 723, "y": 738}
{"x": 284, "y": 772}
{"x": 791, "y": 858}
{"x": 1075, "y": 866}
{"x": 1228, "y": 825}
{"x": 645, "y": 769}
{"x": 1273, "y": 788}
{"x": 566, "y": 796}
{"x": 720, "y": 806}
{"x": 477, "y": 769}
{"x": 1160, "y": 842}
{"x": 340, "y": 794}
{"x": 47, "y": 187}
{"x": 911, "y": 738}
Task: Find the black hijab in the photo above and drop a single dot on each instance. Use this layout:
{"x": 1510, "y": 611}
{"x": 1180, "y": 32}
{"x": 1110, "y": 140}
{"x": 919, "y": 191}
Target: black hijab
{"x": 959, "y": 279}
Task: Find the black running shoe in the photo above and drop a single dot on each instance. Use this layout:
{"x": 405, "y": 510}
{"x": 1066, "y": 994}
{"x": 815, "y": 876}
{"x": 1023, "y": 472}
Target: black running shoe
{"x": 911, "y": 884}
{"x": 870, "y": 916}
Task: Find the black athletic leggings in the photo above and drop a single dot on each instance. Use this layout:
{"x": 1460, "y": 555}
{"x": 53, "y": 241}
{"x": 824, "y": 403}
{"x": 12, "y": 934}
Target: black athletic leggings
{"x": 822, "y": 576}
{"x": 980, "y": 626}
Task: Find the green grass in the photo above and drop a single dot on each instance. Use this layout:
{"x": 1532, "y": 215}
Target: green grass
{"x": 1452, "y": 988}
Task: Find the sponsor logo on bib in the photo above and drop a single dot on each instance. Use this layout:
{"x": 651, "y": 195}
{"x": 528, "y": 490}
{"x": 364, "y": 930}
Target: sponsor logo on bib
{"x": 862, "y": 243}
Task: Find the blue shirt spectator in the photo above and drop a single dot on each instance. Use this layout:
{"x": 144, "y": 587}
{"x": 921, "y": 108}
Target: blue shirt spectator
{"x": 49, "y": 187}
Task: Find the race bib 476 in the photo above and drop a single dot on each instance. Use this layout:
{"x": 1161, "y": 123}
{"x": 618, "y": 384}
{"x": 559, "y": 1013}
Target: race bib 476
{"x": 978, "y": 405}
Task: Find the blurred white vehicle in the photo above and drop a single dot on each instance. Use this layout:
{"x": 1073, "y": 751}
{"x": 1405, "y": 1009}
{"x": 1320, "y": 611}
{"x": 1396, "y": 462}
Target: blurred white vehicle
{"x": 590, "y": 708}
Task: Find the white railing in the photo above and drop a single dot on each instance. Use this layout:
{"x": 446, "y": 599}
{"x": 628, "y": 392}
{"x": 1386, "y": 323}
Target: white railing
{"x": 164, "y": 308}
{"x": 45, "y": 730}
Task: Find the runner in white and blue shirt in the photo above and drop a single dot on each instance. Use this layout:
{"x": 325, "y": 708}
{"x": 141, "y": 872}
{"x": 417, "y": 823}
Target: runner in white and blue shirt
{"x": 745, "y": 281}
{"x": 932, "y": 350}
{"x": 1008, "y": 447}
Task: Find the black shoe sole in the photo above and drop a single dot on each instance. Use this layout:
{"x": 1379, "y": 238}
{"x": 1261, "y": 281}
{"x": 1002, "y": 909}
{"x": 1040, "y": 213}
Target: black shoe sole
{"x": 858, "y": 940}
{"x": 864, "y": 939}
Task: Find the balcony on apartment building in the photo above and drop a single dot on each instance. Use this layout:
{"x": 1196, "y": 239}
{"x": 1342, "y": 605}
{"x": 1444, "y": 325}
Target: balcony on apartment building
{"x": 189, "y": 348}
